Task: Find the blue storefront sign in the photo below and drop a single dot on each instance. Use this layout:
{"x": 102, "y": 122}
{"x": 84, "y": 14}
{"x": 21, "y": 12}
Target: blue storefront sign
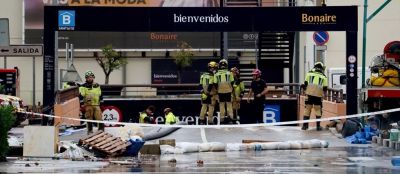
{"x": 272, "y": 113}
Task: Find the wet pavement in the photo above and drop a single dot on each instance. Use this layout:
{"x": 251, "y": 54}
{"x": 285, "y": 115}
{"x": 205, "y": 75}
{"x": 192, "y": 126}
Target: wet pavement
{"x": 339, "y": 157}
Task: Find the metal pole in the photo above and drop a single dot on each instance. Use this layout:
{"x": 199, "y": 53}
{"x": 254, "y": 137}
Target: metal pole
{"x": 66, "y": 54}
{"x": 378, "y": 10}
{"x": 256, "y": 50}
{"x": 34, "y": 83}
{"x": 5, "y": 62}
{"x": 57, "y": 84}
{"x": 124, "y": 69}
{"x": 222, "y": 35}
{"x": 226, "y": 52}
{"x": 364, "y": 43}
{"x": 365, "y": 21}
{"x": 71, "y": 56}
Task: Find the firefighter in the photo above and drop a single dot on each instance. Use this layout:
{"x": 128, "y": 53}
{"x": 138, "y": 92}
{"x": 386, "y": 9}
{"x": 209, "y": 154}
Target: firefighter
{"x": 169, "y": 116}
{"x": 315, "y": 84}
{"x": 223, "y": 80}
{"x": 91, "y": 99}
{"x": 237, "y": 93}
{"x": 147, "y": 116}
{"x": 208, "y": 93}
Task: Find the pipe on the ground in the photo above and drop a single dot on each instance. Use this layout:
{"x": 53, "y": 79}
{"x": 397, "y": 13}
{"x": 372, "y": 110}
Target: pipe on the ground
{"x": 161, "y": 132}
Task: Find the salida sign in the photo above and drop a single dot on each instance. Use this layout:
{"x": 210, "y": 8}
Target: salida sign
{"x": 21, "y": 50}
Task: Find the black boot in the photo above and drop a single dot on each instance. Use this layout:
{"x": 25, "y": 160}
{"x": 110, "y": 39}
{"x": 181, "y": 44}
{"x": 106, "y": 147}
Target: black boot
{"x": 227, "y": 120}
{"x": 305, "y": 125}
{"x": 319, "y": 128}
{"x": 101, "y": 127}
{"x": 89, "y": 127}
{"x": 202, "y": 122}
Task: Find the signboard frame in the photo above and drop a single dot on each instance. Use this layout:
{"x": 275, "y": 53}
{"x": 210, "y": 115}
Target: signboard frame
{"x": 21, "y": 50}
{"x": 197, "y": 19}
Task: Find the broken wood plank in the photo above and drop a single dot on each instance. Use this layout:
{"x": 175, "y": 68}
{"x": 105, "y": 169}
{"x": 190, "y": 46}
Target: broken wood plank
{"x": 123, "y": 146}
{"x": 108, "y": 144}
{"x": 100, "y": 139}
{"x": 94, "y": 137}
{"x": 110, "y": 139}
{"x": 114, "y": 145}
{"x": 91, "y": 135}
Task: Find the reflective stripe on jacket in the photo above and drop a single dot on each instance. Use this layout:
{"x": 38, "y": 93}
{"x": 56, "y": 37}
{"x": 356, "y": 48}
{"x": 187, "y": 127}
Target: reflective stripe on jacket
{"x": 91, "y": 94}
{"x": 224, "y": 78}
{"x": 316, "y": 82}
{"x": 170, "y": 118}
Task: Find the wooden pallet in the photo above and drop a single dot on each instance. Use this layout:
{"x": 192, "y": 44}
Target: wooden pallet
{"x": 105, "y": 143}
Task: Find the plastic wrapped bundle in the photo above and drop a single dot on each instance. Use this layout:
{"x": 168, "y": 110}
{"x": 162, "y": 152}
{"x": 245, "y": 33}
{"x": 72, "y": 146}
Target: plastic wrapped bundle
{"x": 270, "y": 146}
{"x": 284, "y": 146}
{"x": 167, "y": 149}
{"x": 295, "y": 144}
{"x": 188, "y": 147}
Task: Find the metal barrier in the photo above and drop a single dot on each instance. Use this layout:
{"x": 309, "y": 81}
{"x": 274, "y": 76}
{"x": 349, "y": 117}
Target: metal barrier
{"x": 275, "y": 90}
{"x": 333, "y": 95}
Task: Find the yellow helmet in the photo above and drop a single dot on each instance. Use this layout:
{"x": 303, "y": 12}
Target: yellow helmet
{"x": 212, "y": 64}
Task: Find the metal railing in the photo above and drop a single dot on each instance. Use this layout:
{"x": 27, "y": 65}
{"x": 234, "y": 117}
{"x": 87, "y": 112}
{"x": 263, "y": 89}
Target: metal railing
{"x": 275, "y": 90}
{"x": 333, "y": 95}
{"x": 191, "y": 90}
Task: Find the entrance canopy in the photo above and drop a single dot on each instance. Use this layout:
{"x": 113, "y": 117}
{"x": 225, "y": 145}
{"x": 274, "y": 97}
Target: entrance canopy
{"x": 199, "y": 19}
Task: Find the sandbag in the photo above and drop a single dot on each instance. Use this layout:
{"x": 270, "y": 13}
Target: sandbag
{"x": 315, "y": 143}
{"x": 306, "y": 145}
{"x": 188, "y": 147}
{"x": 167, "y": 149}
{"x": 270, "y": 146}
{"x": 204, "y": 147}
{"x": 324, "y": 144}
{"x": 217, "y": 147}
{"x": 233, "y": 146}
{"x": 245, "y": 147}
{"x": 295, "y": 144}
{"x": 283, "y": 146}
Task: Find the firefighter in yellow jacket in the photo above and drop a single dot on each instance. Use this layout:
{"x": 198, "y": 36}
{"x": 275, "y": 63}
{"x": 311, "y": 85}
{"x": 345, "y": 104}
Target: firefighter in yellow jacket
{"x": 237, "y": 93}
{"x": 223, "y": 80}
{"x": 315, "y": 84}
{"x": 208, "y": 93}
{"x": 169, "y": 116}
{"x": 91, "y": 98}
{"x": 147, "y": 116}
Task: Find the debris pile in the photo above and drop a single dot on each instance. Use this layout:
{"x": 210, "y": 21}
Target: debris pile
{"x": 104, "y": 143}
